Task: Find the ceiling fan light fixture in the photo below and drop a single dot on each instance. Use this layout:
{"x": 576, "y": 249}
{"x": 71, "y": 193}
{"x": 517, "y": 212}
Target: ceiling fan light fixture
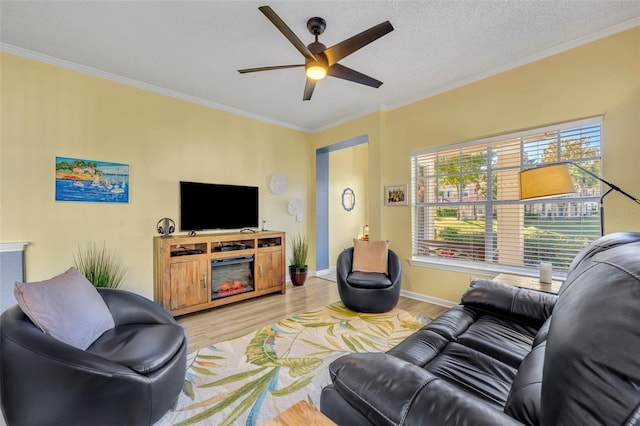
{"x": 319, "y": 59}
{"x": 315, "y": 70}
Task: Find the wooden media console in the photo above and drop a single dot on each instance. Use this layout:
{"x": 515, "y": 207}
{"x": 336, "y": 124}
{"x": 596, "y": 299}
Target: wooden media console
{"x": 192, "y": 273}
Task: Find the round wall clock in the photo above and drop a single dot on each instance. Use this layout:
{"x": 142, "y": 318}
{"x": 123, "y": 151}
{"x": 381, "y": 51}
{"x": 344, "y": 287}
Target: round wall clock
{"x": 278, "y": 183}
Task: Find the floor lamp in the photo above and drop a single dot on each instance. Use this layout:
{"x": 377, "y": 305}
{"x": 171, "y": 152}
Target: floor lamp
{"x": 553, "y": 179}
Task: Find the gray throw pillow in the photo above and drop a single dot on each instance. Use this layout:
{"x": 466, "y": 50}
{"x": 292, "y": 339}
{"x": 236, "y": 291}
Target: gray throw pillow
{"x": 67, "y": 307}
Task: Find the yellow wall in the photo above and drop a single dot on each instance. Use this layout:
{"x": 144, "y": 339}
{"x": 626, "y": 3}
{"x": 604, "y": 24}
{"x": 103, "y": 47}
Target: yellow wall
{"x": 47, "y": 111}
{"x": 370, "y": 126}
{"x": 602, "y": 77}
{"x": 348, "y": 168}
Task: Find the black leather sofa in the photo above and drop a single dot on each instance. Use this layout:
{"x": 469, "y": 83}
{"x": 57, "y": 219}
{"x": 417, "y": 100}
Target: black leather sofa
{"x": 510, "y": 356}
{"x": 131, "y": 375}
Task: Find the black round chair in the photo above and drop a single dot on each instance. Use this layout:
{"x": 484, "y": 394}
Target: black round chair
{"x": 132, "y": 375}
{"x": 369, "y": 292}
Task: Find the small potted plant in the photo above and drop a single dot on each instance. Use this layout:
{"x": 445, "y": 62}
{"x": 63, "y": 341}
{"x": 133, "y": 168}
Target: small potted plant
{"x": 298, "y": 260}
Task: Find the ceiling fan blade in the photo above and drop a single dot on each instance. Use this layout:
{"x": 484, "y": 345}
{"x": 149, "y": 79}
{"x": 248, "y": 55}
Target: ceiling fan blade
{"x": 350, "y": 45}
{"x": 286, "y": 31}
{"x": 308, "y": 89}
{"x": 277, "y": 67}
{"x": 345, "y": 73}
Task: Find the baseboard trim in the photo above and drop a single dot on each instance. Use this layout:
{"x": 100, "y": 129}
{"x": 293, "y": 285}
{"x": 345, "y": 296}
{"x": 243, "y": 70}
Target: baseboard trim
{"x": 424, "y": 298}
{"x": 322, "y": 272}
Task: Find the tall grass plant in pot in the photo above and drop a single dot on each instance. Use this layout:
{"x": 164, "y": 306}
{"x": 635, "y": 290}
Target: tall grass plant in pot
{"x": 298, "y": 260}
{"x": 100, "y": 266}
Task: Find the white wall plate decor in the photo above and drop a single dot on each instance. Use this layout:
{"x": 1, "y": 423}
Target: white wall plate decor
{"x": 295, "y": 206}
{"x": 278, "y": 184}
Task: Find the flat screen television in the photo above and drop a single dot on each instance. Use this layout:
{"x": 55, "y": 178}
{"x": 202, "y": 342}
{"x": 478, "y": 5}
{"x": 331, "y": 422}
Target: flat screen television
{"x": 215, "y": 206}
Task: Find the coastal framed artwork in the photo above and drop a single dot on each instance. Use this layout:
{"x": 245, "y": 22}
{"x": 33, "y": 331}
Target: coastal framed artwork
{"x": 91, "y": 181}
{"x": 396, "y": 195}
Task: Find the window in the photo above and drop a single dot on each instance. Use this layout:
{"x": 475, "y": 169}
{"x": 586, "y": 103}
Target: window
{"x": 466, "y": 200}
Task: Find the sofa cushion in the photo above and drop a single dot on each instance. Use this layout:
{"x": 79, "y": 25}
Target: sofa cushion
{"x": 384, "y": 390}
{"x": 427, "y": 343}
{"x": 453, "y": 323}
{"x": 504, "y": 340}
{"x": 420, "y": 348}
{"x": 66, "y": 307}
{"x": 144, "y": 348}
{"x": 368, "y": 280}
{"x": 523, "y": 402}
{"x": 474, "y": 372}
{"x": 452, "y": 348}
{"x": 370, "y": 256}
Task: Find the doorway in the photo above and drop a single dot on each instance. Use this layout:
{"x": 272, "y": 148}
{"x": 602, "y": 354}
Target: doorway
{"x": 323, "y": 204}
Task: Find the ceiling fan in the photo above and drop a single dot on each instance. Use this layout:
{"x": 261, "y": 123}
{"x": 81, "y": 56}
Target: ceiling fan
{"x": 321, "y": 61}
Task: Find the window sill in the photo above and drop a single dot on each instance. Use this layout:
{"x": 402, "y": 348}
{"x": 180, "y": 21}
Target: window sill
{"x": 474, "y": 268}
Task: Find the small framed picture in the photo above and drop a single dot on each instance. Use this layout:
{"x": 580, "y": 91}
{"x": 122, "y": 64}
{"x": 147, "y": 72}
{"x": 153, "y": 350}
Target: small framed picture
{"x": 396, "y": 195}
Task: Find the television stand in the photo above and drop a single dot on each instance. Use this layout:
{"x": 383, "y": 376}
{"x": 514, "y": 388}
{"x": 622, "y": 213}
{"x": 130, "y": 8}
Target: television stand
{"x": 183, "y": 266}
{"x": 248, "y": 230}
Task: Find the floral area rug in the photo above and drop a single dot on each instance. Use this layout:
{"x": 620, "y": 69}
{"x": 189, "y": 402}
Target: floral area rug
{"x": 252, "y": 379}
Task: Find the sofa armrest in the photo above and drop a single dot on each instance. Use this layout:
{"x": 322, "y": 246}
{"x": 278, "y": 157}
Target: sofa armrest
{"x": 380, "y": 386}
{"x": 513, "y": 302}
{"x": 130, "y": 308}
{"x": 394, "y": 267}
{"x": 389, "y": 391}
{"x": 343, "y": 265}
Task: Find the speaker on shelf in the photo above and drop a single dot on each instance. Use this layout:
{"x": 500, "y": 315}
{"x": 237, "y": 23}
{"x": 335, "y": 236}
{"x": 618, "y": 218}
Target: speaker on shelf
{"x": 166, "y": 226}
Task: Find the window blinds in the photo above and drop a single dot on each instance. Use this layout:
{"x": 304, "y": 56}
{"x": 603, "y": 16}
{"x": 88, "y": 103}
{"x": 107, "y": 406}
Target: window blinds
{"x": 467, "y": 207}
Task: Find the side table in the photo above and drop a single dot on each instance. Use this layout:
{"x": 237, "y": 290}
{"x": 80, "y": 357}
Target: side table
{"x": 529, "y": 282}
{"x": 301, "y": 414}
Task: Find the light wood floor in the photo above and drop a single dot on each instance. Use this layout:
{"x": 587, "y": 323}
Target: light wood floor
{"x": 236, "y": 319}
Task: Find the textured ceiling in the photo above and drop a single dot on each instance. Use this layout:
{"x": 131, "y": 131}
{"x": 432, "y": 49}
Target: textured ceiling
{"x": 192, "y": 49}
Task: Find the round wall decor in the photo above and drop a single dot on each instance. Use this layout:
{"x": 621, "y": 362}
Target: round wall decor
{"x": 295, "y": 206}
{"x": 278, "y": 183}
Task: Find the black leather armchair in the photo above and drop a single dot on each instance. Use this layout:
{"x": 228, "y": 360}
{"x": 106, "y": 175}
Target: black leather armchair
{"x": 368, "y": 292}
{"x": 511, "y": 356}
{"x": 131, "y": 375}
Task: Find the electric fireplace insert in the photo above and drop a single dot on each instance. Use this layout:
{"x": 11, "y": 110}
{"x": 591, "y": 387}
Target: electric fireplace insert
{"x": 231, "y": 276}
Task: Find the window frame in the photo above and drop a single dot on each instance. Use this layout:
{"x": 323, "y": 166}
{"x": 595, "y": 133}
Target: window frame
{"x": 485, "y": 268}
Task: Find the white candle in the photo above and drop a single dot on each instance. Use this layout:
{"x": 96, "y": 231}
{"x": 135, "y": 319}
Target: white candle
{"x": 546, "y": 269}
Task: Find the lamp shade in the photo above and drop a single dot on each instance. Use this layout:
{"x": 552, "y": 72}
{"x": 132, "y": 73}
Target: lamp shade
{"x": 315, "y": 70}
{"x": 545, "y": 181}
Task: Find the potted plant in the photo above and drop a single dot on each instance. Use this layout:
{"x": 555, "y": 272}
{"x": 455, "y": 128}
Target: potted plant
{"x": 298, "y": 259}
{"x": 100, "y": 266}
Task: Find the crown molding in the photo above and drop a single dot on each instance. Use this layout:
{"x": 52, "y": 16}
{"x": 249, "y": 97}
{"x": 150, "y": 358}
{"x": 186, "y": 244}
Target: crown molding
{"x": 618, "y": 28}
{"x": 623, "y": 26}
{"x": 36, "y": 56}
